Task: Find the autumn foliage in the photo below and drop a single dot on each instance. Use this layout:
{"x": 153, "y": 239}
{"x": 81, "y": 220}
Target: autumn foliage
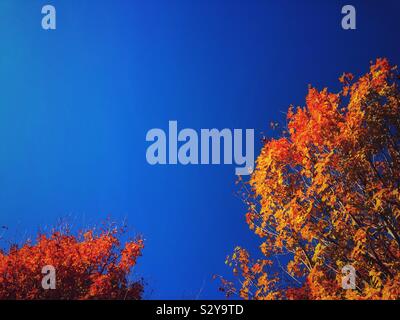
{"x": 326, "y": 194}
{"x": 91, "y": 265}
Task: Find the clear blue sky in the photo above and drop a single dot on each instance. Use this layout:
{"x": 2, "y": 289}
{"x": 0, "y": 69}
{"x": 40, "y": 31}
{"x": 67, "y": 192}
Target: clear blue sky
{"x": 76, "y": 104}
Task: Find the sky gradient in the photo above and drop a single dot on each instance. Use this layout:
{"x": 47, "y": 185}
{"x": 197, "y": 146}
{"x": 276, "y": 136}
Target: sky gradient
{"x": 76, "y": 104}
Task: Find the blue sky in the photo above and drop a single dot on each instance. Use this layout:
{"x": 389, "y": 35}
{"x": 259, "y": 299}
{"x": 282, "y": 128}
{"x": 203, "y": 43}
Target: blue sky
{"x": 76, "y": 104}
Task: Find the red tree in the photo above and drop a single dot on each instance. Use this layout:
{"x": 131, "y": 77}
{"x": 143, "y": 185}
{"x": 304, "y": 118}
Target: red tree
{"x": 91, "y": 265}
{"x": 325, "y": 196}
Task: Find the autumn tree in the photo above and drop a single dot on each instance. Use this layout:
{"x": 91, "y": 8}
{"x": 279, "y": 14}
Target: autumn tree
{"x": 326, "y": 195}
{"x": 91, "y": 265}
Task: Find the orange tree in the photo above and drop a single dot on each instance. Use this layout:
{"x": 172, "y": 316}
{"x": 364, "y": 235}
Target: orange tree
{"x": 326, "y": 195}
{"x": 91, "y": 265}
